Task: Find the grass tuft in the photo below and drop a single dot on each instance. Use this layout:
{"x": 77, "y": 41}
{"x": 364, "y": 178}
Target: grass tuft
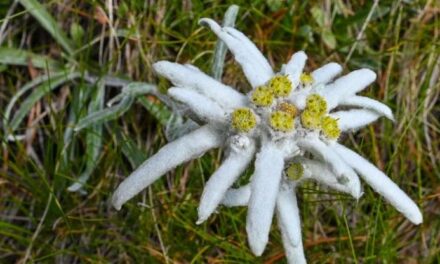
{"x": 57, "y": 59}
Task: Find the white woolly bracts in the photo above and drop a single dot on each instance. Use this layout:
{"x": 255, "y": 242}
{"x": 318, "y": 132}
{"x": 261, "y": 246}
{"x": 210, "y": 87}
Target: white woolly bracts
{"x": 287, "y": 117}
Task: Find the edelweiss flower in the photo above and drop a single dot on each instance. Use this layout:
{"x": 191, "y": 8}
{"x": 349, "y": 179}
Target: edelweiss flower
{"x": 287, "y": 117}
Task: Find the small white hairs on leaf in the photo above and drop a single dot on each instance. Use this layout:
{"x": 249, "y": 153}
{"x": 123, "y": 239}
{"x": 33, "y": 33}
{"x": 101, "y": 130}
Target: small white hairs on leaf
{"x": 286, "y": 123}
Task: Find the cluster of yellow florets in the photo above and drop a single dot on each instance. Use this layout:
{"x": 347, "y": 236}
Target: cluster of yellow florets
{"x": 280, "y": 85}
{"x": 281, "y": 121}
{"x": 306, "y": 78}
{"x": 262, "y": 96}
{"x": 315, "y": 116}
{"x": 330, "y": 128}
{"x": 316, "y": 105}
{"x": 295, "y": 171}
{"x": 243, "y": 119}
{"x": 310, "y": 121}
{"x": 288, "y": 108}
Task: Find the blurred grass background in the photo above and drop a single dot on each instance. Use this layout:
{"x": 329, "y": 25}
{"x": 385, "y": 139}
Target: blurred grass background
{"x": 70, "y": 56}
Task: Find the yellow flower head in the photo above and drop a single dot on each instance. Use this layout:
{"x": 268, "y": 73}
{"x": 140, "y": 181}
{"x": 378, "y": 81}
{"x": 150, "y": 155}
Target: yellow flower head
{"x": 243, "y": 119}
{"x": 306, "y": 78}
{"x": 330, "y": 127}
{"x": 281, "y": 121}
{"x": 280, "y": 86}
{"x": 288, "y": 108}
{"x": 295, "y": 171}
{"x": 262, "y": 96}
{"x": 316, "y": 105}
{"x": 310, "y": 120}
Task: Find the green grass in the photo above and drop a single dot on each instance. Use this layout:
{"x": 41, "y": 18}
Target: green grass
{"x": 40, "y": 221}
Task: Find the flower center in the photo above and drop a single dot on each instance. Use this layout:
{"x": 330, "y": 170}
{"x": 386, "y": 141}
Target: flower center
{"x": 306, "y": 79}
{"x": 316, "y": 105}
{"x": 281, "y": 116}
{"x": 288, "y": 108}
{"x": 295, "y": 171}
{"x": 243, "y": 119}
{"x": 330, "y": 127}
{"x": 262, "y": 96}
{"x": 315, "y": 117}
{"x": 281, "y": 121}
{"x": 280, "y": 85}
{"x": 310, "y": 120}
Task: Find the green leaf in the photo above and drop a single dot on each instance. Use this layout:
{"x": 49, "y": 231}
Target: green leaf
{"x": 46, "y": 20}
{"x": 15, "y": 232}
{"x": 125, "y": 98}
{"x": 220, "y": 47}
{"x": 36, "y": 95}
{"x": 93, "y": 140}
{"x": 130, "y": 149}
{"x": 158, "y": 110}
{"x": 319, "y": 16}
{"x": 13, "y": 56}
{"x": 106, "y": 114}
{"x": 77, "y": 33}
{"x": 324, "y": 28}
{"x": 328, "y": 38}
{"x": 79, "y": 97}
{"x": 23, "y": 90}
{"x": 139, "y": 88}
{"x": 134, "y": 89}
{"x": 3, "y": 68}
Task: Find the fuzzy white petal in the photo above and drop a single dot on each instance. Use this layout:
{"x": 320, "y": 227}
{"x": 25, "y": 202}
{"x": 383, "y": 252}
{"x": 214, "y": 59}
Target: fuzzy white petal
{"x": 295, "y": 67}
{"x": 256, "y": 72}
{"x": 326, "y": 73}
{"x": 265, "y": 186}
{"x": 206, "y": 109}
{"x": 237, "y": 197}
{"x": 355, "y": 119}
{"x": 381, "y": 184}
{"x": 294, "y": 253}
{"x": 192, "y": 67}
{"x": 216, "y": 187}
{"x": 187, "y": 77}
{"x": 347, "y": 86}
{"x": 257, "y": 55}
{"x": 344, "y": 172}
{"x": 321, "y": 173}
{"x": 365, "y": 102}
{"x": 171, "y": 155}
{"x": 299, "y": 97}
{"x": 288, "y": 213}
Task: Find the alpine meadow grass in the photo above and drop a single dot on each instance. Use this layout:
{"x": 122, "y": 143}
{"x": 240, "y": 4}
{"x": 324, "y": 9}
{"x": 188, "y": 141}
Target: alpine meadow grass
{"x": 81, "y": 107}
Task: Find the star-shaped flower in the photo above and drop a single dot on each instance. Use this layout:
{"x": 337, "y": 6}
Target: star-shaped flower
{"x": 287, "y": 118}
